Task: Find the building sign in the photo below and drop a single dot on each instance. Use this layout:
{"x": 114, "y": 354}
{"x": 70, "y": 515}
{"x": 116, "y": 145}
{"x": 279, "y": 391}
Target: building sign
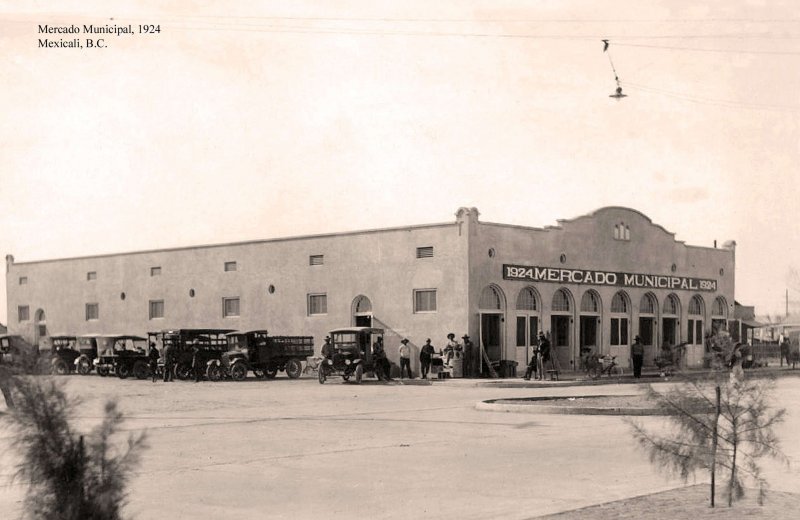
{"x": 525, "y": 273}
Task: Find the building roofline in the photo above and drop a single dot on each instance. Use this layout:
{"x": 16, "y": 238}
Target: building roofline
{"x": 243, "y": 243}
{"x": 605, "y": 208}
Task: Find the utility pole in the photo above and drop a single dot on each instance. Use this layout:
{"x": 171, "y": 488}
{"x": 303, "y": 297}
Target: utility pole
{"x": 787, "y": 302}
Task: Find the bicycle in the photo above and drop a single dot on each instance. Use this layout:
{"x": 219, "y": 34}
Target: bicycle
{"x": 596, "y": 366}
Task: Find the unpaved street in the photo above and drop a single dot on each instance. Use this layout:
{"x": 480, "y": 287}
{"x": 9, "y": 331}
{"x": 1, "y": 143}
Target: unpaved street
{"x": 298, "y": 449}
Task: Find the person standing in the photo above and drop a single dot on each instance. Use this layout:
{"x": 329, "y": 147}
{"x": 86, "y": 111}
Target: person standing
{"x": 327, "y": 348}
{"x": 405, "y": 358}
{"x": 637, "y": 357}
{"x": 197, "y": 363}
{"x": 468, "y": 356}
{"x": 169, "y": 361}
{"x": 152, "y": 359}
{"x": 544, "y": 354}
{"x": 6, "y": 383}
{"x": 425, "y": 356}
{"x": 381, "y": 362}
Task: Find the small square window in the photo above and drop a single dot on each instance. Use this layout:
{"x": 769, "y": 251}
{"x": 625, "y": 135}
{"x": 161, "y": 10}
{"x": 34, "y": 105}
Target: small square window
{"x": 230, "y": 266}
{"x": 230, "y": 307}
{"x": 92, "y": 311}
{"x": 91, "y": 275}
{"x": 316, "y": 260}
{"x": 23, "y": 280}
{"x": 23, "y": 313}
{"x": 156, "y": 309}
{"x": 155, "y": 271}
{"x": 425, "y": 252}
{"x": 424, "y": 300}
{"x": 317, "y": 304}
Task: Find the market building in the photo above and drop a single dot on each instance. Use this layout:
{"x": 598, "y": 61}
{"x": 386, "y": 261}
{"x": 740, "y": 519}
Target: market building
{"x": 595, "y": 281}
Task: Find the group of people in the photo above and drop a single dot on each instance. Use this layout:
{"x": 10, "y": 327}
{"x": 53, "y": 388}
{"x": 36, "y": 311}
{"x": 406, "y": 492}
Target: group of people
{"x": 540, "y": 356}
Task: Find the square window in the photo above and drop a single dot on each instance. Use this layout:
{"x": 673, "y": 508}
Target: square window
{"x": 316, "y": 259}
{"x": 23, "y": 280}
{"x": 230, "y": 307}
{"x": 317, "y": 304}
{"x": 155, "y": 271}
{"x": 92, "y": 311}
{"x": 424, "y": 300}
{"x": 425, "y": 252}
{"x": 91, "y": 275}
{"x": 23, "y": 313}
{"x": 156, "y": 309}
{"x": 230, "y": 266}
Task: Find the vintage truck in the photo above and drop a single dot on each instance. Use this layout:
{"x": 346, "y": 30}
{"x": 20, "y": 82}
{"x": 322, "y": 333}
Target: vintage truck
{"x": 211, "y": 343}
{"x": 262, "y": 354}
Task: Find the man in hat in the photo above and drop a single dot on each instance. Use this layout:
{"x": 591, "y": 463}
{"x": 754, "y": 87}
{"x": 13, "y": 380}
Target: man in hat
{"x": 405, "y": 358}
{"x": 544, "y": 354}
{"x": 327, "y": 348}
{"x": 425, "y": 356}
{"x": 637, "y": 357}
{"x": 152, "y": 360}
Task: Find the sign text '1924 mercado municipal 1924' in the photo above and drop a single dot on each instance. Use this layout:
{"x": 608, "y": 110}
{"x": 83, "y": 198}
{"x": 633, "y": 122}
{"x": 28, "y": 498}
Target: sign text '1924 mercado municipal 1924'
{"x": 584, "y": 276}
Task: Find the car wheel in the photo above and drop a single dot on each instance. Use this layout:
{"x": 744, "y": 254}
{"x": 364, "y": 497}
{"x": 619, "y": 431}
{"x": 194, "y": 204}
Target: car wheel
{"x": 60, "y": 367}
{"x": 123, "y": 371}
{"x": 321, "y": 375}
{"x": 84, "y": 367}
{"x": 141, "y": 370}
{"x": 359, "y": 374}
{"x": 183, "y": 371}
{"x": 238, "y": 371}
{"x": 294, "y": 368}
{"x": 213, "y": 373}
{"x": 346, "y": 378}
{"x": 259, "y": 374}
{"x": 270, "y": 373}
{"x": 102, "y": 372}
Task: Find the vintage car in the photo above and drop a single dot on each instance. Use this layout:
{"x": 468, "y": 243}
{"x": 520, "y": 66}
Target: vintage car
{"x": 63, "y": 354}
{"x": 212, "y": 343}
{"x": 262, "y": 354}
{"x": 87, "y": 346}
{"x": 18, "y": 355}
{"x": 122, "y": 355}
{"x": 352, "y": 354}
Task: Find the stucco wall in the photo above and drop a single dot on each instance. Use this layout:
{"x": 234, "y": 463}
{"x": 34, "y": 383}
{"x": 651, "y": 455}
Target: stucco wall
{"x": 381, "y": 265}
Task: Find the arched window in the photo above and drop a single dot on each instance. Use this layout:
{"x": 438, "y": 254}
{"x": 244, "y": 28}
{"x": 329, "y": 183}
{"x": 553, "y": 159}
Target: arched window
{"x": 619, "y": 303}
{"x": 490, "y": 299}
{"x": 362, "y": 304}
{"x": 620, "y": 321}
{"x": 671, "y": 305}
{"x": 590, "y": 302}
{"x": 526, "y": 301}
{"x": 560, "y": 301}
{"x": 527, "y": 318}
{"x": 719, "y": 307}
{"x": 696, "y": 306}
{"x": 694, "y": 329}
{"x": 648, "y": 304}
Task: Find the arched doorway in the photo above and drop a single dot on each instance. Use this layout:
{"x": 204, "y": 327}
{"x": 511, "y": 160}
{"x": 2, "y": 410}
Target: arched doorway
{"x": 719, "y": 315}
{"x": 527, "y": 324}
{"x": 648, "y": 312}
{"x": 694, "y": 330}
{"x": 670, "y": 334}
{"x": 491, "y": 307}
{"x": 620, "y": 324}
{"x": 39, "y": 326}
{"x": 561, "y": 314}
{"x": 362, "y": 311}
{"x": 589, "y": 337}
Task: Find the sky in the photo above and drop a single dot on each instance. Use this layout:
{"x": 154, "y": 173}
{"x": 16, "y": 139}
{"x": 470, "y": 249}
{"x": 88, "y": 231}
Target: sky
{"x": 240, "y": 122}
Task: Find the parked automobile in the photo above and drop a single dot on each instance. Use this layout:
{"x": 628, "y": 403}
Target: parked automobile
{"x": 63, "y": 354}
{"x": 211, "y": 343}
{"x": 87, "y": 347}
{"x": 123, "y": 355}
{"x": 352, "y": 354}
{"x": 18, "y": 355}
{"x": 262, "y": 354}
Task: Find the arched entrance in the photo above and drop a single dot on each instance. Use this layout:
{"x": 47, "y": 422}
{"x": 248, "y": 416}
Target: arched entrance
{"x": 589, "y": 337}
{"x": 561, "y": 315}
{"x": 648, "y": 310}
{"x": 39, "y": 326}
{"x": 491, "y": 308}
{"x": 362, "y": 311}
{"x": 670, "y": 333}
{"x": 527, "y": 324}
{"x": 620, "y": 325}
{"x": 719, "y": 315}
